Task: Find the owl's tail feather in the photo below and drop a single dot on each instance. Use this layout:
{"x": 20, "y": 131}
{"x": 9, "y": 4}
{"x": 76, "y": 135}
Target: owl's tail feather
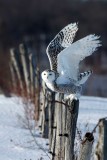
{"x": 84, "y": 76}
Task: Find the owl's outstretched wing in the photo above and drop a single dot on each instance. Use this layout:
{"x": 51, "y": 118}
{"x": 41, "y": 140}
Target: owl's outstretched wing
{"x": 62, "y": 40}
{"x": 69, "y": 58}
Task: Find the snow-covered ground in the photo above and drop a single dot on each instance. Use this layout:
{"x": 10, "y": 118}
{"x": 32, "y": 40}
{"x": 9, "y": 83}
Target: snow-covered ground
{"x": 16, "y": 142}
{"x": 91, "y": 110}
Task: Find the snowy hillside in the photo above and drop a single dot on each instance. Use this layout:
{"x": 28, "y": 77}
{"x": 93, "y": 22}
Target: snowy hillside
{"x": 16, "y": 142}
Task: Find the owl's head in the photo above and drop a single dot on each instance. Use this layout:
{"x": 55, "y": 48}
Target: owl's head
{"x": 48, "y": 75}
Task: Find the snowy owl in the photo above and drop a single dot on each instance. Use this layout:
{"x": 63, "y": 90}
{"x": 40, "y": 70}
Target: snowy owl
{"x": 64, "y": 57}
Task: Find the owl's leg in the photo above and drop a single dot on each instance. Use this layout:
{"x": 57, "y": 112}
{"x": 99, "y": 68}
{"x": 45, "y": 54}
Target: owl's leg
{"x": 83, "y": 77}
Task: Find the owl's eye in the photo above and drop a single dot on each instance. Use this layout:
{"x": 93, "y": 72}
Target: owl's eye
{"x": 44, "y": 73}
{"x": 50, "y": 74}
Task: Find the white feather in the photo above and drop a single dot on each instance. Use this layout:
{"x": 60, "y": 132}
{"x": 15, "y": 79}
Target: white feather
{"x": 69, "y": 59}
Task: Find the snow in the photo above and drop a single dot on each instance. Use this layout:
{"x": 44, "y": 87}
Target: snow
{"x": 16, "y": 142}
{"x": 92, "y": 109}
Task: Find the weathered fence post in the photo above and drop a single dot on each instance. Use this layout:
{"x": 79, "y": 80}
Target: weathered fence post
{"x": 40, "y": 122}
{"x": 37, "y": 92}
{"x": 86, "y": 147}
{"x": 71, "y": 121}
{"x": 25, "y": 70}
{"x": 45, "y": 113}
{"x": 101, "y": 148}
{"x": 16, "y": 68}
{"x": 51, "y": 110}
{"x": 34, "y": 86}
{"x": 65, "y": 119}
{"x": 53, "y": 141}
{"x": 31, "y": 76}
{"x": 58, "y": 117}
{"x": 13, "y": 84}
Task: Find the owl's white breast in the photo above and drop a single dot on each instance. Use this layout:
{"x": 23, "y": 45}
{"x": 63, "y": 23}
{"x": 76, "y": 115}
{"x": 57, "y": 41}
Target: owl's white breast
{"x": 50, "y": 86}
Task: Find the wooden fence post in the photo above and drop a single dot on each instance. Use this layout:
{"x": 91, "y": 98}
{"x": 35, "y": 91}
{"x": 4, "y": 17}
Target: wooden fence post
{"x": 65, "y": 119}
{"x": 51, "y": 110}
{"x": 31, "y": 76}
{"x": 37, "y": 92}
{"x": 86, "y": 147}
{"x": 101, "y": 148}
{"x": 40, "y": 122}
{"x": 25, "y": 71}
{"x": 54, "y": 129}
{"x": 71, "y": 121}
{"x": 16, "y": 67}
{"x": 59, "y": 149}
{"x": 12, "y": 77}
{"x": 45, "y": 113}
